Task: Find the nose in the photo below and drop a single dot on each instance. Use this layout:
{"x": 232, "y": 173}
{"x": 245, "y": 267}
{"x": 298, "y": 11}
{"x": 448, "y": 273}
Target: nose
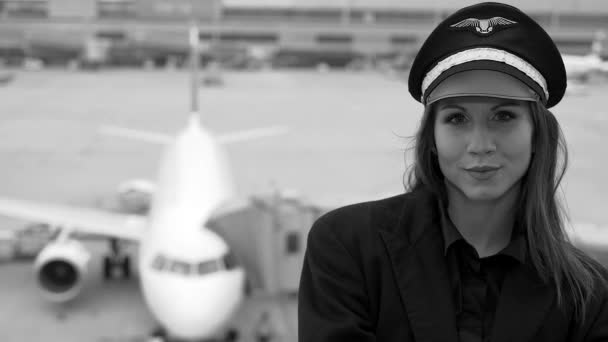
{"x": 481, "y": 141}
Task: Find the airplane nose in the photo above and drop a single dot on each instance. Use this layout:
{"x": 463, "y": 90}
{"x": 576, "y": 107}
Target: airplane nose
{"x": 194, "y": 307}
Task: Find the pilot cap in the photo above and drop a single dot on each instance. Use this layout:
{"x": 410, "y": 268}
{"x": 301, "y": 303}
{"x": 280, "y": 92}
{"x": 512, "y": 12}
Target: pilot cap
{"x": 493, "y": 37}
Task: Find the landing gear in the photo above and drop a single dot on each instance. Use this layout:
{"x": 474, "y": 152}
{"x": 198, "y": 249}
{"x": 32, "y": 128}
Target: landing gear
{"x": 232, "y": 335}
{"x": 158, "y": 335}
{"x": 116, "y": 264}
{"x": 113, "y": 266}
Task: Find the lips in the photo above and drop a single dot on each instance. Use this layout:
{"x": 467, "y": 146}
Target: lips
{"x": 482, "y": 168}
{"x": 483, "y": 172}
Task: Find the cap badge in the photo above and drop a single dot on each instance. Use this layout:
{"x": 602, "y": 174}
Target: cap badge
{"x": 484, "y": 26}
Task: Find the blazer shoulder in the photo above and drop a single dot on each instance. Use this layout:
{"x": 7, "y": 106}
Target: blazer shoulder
{"x": 354, "y": 227}
{"x": 362, "y": 220}
{"x": 359, "y": 213}
{"x": 595, "y": 327}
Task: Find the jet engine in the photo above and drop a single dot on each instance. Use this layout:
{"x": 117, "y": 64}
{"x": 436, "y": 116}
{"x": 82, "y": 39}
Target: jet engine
{"x": 60, "y": 269}
{"x": 135, "y": 195}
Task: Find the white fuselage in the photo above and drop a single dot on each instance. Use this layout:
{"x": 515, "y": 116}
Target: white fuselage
{"x": 185, "y": 279}
{"x": 582, "y": 67}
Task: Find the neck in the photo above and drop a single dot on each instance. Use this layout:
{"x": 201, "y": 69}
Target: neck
{"x": 485, "y": 224}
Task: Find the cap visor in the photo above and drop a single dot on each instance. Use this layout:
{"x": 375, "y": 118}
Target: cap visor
{"x": 488, "y": 83}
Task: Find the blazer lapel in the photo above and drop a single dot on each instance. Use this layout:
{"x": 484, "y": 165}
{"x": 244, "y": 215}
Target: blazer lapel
{"x": 523, "y": 304}
{"x": 415, "y": 246}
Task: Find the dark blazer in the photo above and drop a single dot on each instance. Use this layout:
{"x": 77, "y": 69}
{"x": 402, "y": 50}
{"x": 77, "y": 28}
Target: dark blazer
{"x": 376, "y": 271}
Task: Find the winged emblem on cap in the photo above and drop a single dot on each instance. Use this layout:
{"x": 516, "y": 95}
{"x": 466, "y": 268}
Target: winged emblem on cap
{"x": 484, "y": 26}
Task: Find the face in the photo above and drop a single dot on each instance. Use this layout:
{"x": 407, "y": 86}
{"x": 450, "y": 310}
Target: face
{"x": 484, "y": 144}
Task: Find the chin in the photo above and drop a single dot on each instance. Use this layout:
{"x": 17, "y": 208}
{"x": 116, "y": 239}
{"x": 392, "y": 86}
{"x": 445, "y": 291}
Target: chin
{"x": 483, "y": 194}
{"x": 484, "y": 191}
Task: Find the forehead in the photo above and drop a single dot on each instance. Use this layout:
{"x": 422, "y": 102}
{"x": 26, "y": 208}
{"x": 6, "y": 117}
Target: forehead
{"x": 479, "y": 102}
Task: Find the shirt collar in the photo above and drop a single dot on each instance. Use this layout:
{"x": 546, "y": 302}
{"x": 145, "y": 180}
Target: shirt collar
{"x": 517, "y": 247}
{"x": 449, "y": 231}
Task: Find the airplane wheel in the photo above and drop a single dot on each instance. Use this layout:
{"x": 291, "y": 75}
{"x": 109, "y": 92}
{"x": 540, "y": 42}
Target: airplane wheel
{"x": 232, "y": 335}
{"x": 247, "y": 288}
{"x": 126, "y": 267}
{"x": 107, "y": 268}
{"x": 158, "y": 335}
{"x": 155, "y": 339}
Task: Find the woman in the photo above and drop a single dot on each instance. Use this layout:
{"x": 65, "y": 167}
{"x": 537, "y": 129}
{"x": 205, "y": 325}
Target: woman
{"x": 476, "y": 250}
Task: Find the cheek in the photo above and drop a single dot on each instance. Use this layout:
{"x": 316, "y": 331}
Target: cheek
{"x": 516, "y": 145}
{"x": 518, "y": 149}
{"x": 450, "y": 147}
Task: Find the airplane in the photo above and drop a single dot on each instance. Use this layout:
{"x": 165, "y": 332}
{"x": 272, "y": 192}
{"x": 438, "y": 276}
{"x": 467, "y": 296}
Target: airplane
{"x": 182, "y": 260}
{"x": 582, "y": 67}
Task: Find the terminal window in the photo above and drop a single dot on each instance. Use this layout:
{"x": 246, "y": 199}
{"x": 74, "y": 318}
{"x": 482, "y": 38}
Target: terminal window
{"x": 293, "y": 243}
{"x": 115, "y": 8}
{"x": 403, "y": 40}
{"x": 26, "y": 8}
{"x": 111, "y": 35}
{"x": 334, "y": 38}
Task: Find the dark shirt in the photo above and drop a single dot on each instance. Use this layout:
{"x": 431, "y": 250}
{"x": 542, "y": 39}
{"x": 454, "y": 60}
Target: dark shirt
{"x": 476, "y": 282}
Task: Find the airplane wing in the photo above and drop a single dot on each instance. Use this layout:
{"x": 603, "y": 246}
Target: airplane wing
{"x": 75, "y": 219}
{"x": 161, "y": 138}
{"x": 251, "y": 134}
{"x": 588, "y": 236}
{"x": 134, "y": 134}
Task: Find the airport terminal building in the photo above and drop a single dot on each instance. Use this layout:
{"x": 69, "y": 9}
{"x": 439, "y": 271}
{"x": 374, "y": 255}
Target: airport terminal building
{"x": 132, "y": 31}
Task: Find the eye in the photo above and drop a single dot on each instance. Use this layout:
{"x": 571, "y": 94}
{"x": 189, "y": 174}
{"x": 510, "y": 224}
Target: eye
{"x": 455, "y": 118}
{"x": 504, "y": 116}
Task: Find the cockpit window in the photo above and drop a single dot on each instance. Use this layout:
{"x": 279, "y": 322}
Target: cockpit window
{"x": 171, "y": 265}
{"x": 208, "y": 266}
{"x": 180, "y": 267}
{"x": 160, "y": 262}
{"x": 229, "y": 261}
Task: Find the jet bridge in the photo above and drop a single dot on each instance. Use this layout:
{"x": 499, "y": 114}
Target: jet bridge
{"x": 269, "y": 238}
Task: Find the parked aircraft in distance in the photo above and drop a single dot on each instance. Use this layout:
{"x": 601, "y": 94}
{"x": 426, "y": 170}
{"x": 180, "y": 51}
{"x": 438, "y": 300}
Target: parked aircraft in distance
{"x": 583, "y": 67}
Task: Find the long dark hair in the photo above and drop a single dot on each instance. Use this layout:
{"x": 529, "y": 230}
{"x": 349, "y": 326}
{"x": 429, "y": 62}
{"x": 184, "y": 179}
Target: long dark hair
{"x": 540, "y": 210}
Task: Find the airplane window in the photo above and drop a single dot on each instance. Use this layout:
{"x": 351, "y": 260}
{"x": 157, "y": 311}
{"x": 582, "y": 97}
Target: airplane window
{"x": 160, "y": 262}
{"x": 180, "y": 267}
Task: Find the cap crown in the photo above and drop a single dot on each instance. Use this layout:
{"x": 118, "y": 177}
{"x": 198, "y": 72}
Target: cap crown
{"x": 492, "y": 25}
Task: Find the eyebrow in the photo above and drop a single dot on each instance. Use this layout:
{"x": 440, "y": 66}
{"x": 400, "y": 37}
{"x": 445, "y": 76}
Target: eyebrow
{"x": 506, "y": 104}
{"x": 455, "y": 106}
{"x": 448, "y": 106}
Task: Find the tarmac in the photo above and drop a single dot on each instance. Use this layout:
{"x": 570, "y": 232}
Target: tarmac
{"x": 348, "y": 133}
